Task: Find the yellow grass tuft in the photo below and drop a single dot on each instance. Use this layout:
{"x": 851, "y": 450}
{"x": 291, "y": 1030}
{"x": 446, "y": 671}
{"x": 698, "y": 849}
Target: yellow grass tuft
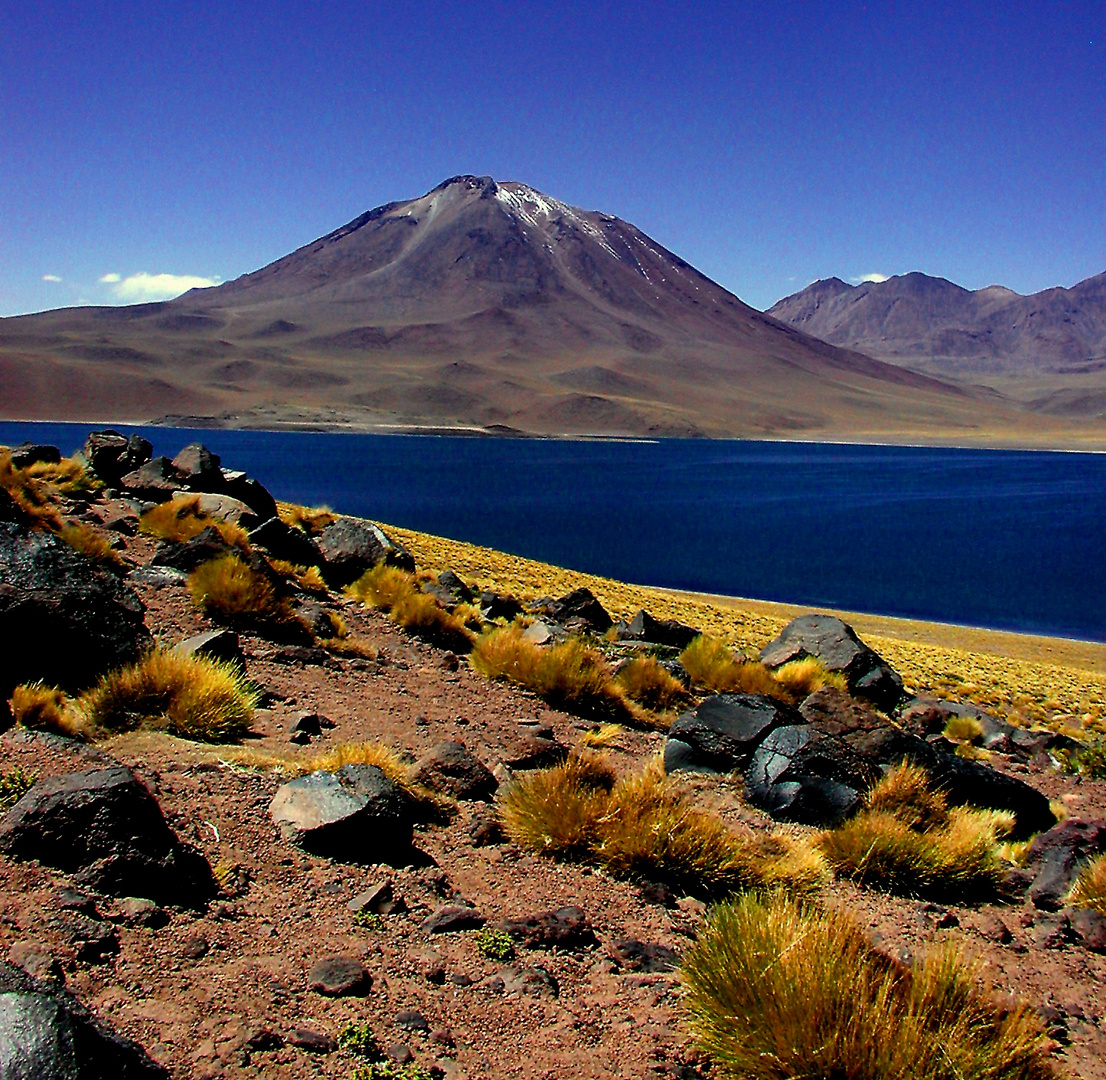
{"x": 963, "y": 729}
{"x": 601, "y": 737}
{"x": 644, "y": 680}
{"x": 779, "y": 989}
{"x": 89, "y": 542}
{"x": 908, "y": 840}
{"x": 232, "y": 591}
{"x": 397, "y": 592}
{"x": 644, "y": 827}
{"x": 180, "y": 519}
{"x": 712, "y": 666}
{"x": 46, "y": 708}
{"x": 188, "y": 696}
{"x": 312, "y": 520}
{"x": 798, "y": 679}
{"x": 1090, "y": 887}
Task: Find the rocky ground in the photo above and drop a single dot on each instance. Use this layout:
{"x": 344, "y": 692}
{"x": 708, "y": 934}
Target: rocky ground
{"x": 242, "y": 987}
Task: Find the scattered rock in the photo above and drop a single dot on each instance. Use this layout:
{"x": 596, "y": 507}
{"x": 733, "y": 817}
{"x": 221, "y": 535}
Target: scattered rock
{"x": 350, "y": 546}
{"x": 633, "y": 955}
{"x": 533, "y": 981}
{"x": 205, "y": 545}
{"x": 399, "y": 1053}
{"x": 93, "y": 940}
{"x": 221, "y": 645}
{"x": 485, "y": 829}
{"x": 495, "y": 605}
{"x": 451, "y": 918}
{"x": 339, "y": 976}
{"x": 540, "y": 632}
{"x": 109, "y": 455}
{"x": 449, "y": 590}
{"x": 199, "y": 468}
{"x": 1056, "y": 857}
{"x": 283, "y": 541}
{"x": 47, "y": 1034}
{"x": 532, "y": 745}
{"x": 27, "y": 454}
{"x": 158, "y": 577}
{"x": 156, "y": 481}
{"x": 564, "y": 928}
{"x": 411, "y": 1020}
{"x": 379, "y": 899}
{"x": 669, "y": 632}
{"x": 195, "y": 947}
{"x": 579, "y": 610}
{"x": 138, "y": 911}
{"x": 452, "y": 769}
{"x": 992, "y": 928}
{"x": 314, "y": 1042}
{"x": 106, "y": 830}
{"x": 36, "y": 960}
{"x": 228, "y": 509}
{"x": 720, "y": 734}
{"x": 835, "y": 644}
{"x": 355, "y": 814}
{"x": 1089, "y": 927}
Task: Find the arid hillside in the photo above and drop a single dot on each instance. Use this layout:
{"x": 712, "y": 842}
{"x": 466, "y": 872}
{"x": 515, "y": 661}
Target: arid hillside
{"x": 491, "y": 306}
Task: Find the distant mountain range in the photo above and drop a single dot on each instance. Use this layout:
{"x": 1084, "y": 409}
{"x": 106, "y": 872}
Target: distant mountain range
{"x": 1047, "y": 349}
{"x": 485, "y": 305}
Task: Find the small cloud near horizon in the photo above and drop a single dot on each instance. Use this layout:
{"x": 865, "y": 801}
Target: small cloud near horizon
{"x": 873, "y": 277}
{"x": 50, "y": 277}
{"x": 144, "y": 288}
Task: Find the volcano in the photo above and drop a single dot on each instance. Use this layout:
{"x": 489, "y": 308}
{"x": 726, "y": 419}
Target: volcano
{"x": 479, "y": 305}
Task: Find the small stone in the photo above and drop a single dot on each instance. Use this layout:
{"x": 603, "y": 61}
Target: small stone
{"x": 452, "y": 918}
{"x": 994, "y": 929}
{"x": 400, "y": 1053}
{"x": 138, "y": 911}
{"x": 946, "y": 920}
{"x": 75, "y": 900}
{"x": 634, "y": 955}
{"x": 194, "y": 948}
{"x": 94, "y": 940}
{"x": 339, "y": 976}
{"x": 1089, "y": 928}
{"x": 35, "y": 960}
{"x": 443, "y": 1037}
{"x": 530, "y": 981}
{"x": 412, "y": 1020}
{"x": 314, "y": 1042}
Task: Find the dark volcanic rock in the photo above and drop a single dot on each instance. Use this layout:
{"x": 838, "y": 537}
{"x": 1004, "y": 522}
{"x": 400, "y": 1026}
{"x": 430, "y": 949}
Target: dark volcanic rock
{"x": 250, "y": 491}
{"x": 453, "y": 769}
{"x": 339, "y": 976}
{"x": 634, "y": 955}
{"x": 199, "y": 468}
{"x": 62, "y": 619}
{"x": 157, "y": 480}
{"x": 285, "y": 542}
{"x": 221, "y": 645}
{"x": 721, "y": 733}
{"x": 800, "y": 774}
{"x": 205, "y": 545}
{"x": 449, "y": 590}
{"x": 495, "y": 605}
{"x": 110, "y": 455}
{"x": 27, "y": 454}
{"x": 350, "y": 546}
{"x": 452, "y": 918}
{"x": 1056, "y": 857}
{"x": 837, "y": 646}
{"x": 643, "y": 627}
{"x": 106, "y": 830}
{"x": 47, "y": 1034}
{"x": 579, "y": 610}
{"x": 355, "y": 814}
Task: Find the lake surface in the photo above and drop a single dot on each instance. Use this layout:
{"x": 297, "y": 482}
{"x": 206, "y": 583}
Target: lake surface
{"x": 1006, "y": 539}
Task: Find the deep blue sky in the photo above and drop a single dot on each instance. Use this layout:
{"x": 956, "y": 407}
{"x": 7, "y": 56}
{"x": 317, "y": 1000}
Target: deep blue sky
{"x": 769, "y": 144}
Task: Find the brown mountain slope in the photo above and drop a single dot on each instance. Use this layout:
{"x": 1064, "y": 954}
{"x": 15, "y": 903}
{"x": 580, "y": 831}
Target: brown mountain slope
{"x": 1048, "y": 349}
{"x": 477, "y": 304}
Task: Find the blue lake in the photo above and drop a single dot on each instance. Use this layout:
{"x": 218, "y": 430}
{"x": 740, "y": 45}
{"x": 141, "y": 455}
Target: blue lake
{"x": 1007, "y": 539}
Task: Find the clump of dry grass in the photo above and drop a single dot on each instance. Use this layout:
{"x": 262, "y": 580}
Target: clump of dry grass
{"x": 308, "y": 578}
{"x": 397, "y": 592}
{"x": 34, "y": 497}
{"x": 311, "y": 519}
{"x": 189, "y": 696}
{"x": 230, "y": 590}
{"x": 569, "y": 675}
{"x": 14, "y": 784}
{"x": 67, "y": 477}
{"x": 779, "y": 989}
{"x": 1089, "y": 890}
{"x": 711, "y": 665}
{"x": 798, "y": 679}
{"x": 645, "y": 681}
{"x": 644, "y": 827}
{"x": 180, "y": 519}
{"x": 45, "y": 708}
{"x": 908, "y": 840}
{"x": 89, "y": 542}
{"x": 963, "y": 729}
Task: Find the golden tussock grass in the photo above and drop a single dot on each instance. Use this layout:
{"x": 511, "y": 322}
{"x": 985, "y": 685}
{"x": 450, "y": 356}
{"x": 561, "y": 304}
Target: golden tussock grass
{"x": 311, "y": 519}
{"x": 963, "y": 729}
{"x": 46, "y": 708}
{"x": 569, "y": 675}
{"x": 307, "y": 578}
{"x": 799, "y": 679}
{"x": 602, "y": 737}
{"x": 1013, "y": 676}
{"x": 1090, "y": 887}
{"x": 711, "y": 665}
{"x": 14, "y": 784}
{"x": 644, "y": 827}
{"x": 643, "y": 680}
{"x": 907, "y": 840}
{"x": 777, "y": 988}
{"x": 34, "y": 497}
{"x": 180, "y": 519}
{"x": 232, "y": 591}
{"x": 67, "y": 477}
{"x": 89, "y": 542}
{"x": 397, "y": 592}
{"x": 188, "y": 696}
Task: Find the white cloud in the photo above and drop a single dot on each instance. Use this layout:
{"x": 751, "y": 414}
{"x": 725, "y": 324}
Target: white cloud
{"x": 147, "y": 287}
{"x": 874, "y": 277}
{"x": 50, "y": 277}
{"x": 110, "y": 279}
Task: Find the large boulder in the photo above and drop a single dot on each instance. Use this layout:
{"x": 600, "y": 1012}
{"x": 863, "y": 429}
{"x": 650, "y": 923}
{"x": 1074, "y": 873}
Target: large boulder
{"x": 63, "y": 619}
{"x": 835, "y": 644}
{"x": 449, "y": 590}
{"x": 157, "y": 481}
{"x": 199, "y": 468}
{"x": 27, "y": 454}
{"x": 104, "y": 829}
{"x": 227, "y": 508}
{"x": 350, "y": 546}
{"x": 720, "y": 734}
{"x": 250, "y": 491}
{"x": 47, "y": 1034}
{"x": 110, "y": 455}
{"x": 800, "y": 774}
{"x": 207, "y": 544}
{"x": 643, "y": 627}
{"x": 355, "y": 814}
{"x": 282, "y": 541}
{"x": 579, "y": 610}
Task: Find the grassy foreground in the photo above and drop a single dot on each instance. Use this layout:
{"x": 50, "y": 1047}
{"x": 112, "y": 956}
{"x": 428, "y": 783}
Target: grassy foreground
{"x": 1029, "y": 679}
